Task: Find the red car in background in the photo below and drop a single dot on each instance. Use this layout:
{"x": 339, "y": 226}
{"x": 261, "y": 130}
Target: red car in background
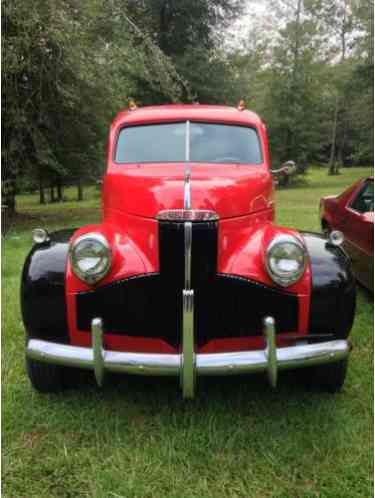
{"x": 352, "y": 212}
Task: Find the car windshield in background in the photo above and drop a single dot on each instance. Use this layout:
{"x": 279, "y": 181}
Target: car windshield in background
{"x": 364, "y": 201}
{"x": 210, "y": 143}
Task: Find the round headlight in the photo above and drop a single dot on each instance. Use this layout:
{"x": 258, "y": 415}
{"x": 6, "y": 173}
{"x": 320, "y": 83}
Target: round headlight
{"x": 285, "y": 260}
{"x": 90, "y": 256}
{"x": 40, "y": 236}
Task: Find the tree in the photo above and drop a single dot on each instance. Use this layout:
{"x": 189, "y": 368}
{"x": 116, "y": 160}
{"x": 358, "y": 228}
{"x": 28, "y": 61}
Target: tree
{"x": 190, "y": 34}
{"x": 291, "y": 87}
{"x": 336, "y": 19}
{"x": 46, "y": 118}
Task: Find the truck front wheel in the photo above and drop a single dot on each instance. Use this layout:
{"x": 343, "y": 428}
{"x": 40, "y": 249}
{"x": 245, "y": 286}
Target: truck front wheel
{"x": 44, "y": 377}
{"x": 329, "y": 377}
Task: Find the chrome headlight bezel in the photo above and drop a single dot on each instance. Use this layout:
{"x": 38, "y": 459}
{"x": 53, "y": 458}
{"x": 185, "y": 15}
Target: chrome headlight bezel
{"x": 93, "y": 275}
{"x": 285, "y": 279}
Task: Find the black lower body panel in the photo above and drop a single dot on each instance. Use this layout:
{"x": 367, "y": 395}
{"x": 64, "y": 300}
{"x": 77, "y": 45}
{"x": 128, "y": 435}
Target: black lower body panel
{"x": 235, "y": 307}
{"x": 229, "y": 306}
{"x": 137, "y": 306}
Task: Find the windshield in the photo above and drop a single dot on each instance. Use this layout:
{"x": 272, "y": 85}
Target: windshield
{"x": 210, "y": 143}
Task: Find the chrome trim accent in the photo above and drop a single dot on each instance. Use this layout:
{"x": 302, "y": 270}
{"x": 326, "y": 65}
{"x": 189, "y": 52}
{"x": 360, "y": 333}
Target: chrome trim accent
{"x": 283, "y": 280}
{"x": 187, "y": 183}
{"x": 188, "y": 232}
{"x": 336, "y": 238}
{"x": 187, "y": 141}
{"x": 188, "y": 353}
{"x": 239, "y": 362}
{"x": 187, "y": 215}
{"x": 243, "y": 362}
{"x": 187, "y": 189}
{"x": 270, "y": 351}
{"x": 87, "y": 277}
{"x": 97, "y": 346}
{"x": 289, "y": 167}
{"x": 114, "y": 361}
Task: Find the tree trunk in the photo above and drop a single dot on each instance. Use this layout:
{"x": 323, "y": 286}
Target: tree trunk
{"x": 341, "y": 141}
{"x": 290, "y": 142}
{"x": 8, "y": 188}
{"x": 163, "y": 27}
{"x": 8, "y": 203}
{"x": 59, "y": 190}
{"x": 332, "y": 167}
{"x": 340, "y": 147}
{"x": 80, "y": 190}
{"x": 42, "y": 197}
{"x": 289, "y": 145}
{"x": 52, "y": 194}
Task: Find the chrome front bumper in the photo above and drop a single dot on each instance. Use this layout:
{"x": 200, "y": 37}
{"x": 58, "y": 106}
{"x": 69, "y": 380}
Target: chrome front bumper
{"x": 187, "y": 365}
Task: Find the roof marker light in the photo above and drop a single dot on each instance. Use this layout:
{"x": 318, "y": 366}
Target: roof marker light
{"x": 132, "y": 106}
{"x": 241, "y": 105}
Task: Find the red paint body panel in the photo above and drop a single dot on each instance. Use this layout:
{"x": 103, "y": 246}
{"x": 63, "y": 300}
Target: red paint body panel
{"x": 228, "y": 189}
{"x": 133, "y": 194}
{"x": 358, "y": 229}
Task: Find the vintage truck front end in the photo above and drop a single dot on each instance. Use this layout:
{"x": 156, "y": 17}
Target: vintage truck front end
{"x": 187, "y": 274}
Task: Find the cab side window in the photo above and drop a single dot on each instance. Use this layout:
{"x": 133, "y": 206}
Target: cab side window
{"x": 364, "y": 200}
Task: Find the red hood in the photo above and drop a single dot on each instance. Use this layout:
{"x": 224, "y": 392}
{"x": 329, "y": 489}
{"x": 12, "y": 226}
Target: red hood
{"x": 228, "y": 189}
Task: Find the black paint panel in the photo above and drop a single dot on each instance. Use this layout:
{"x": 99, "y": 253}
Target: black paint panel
{"x": 204, "y": 253}
{"x": 229, "y": 307}
{"x": 43, "y": 289}
{"x": 135, "y": 306}
{"x": 171, "y": 281}
{"x": 235, "y": 307}
{"x": 333, "y": 293}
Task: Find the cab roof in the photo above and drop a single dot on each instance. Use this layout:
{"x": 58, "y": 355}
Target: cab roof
{"x": 184, "y": 112}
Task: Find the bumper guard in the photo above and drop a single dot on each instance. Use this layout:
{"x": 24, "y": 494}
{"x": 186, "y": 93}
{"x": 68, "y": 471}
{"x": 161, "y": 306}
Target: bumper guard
{"x": 187, "y": 365}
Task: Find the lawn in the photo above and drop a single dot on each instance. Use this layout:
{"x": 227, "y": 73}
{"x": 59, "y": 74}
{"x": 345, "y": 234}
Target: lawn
{"x": 137, "y": 438}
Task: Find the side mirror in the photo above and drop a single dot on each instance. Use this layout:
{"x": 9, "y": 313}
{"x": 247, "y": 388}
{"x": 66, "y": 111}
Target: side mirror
{"x": 283, "y": 174}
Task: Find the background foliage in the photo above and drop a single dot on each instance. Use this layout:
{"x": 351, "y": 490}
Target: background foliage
{"x": 306, "y": 66}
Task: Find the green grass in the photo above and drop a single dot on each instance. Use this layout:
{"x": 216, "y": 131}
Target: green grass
{"x": 136, "y": 438}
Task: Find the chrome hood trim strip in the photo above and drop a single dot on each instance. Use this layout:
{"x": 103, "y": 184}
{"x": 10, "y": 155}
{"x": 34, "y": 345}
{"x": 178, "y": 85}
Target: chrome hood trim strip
{"x": 187, "y": 215}
{"x": 187, "y": 183}
{"x": 187, "y": 188}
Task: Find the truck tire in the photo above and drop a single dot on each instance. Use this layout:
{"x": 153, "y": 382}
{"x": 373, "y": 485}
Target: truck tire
{"x": 329, "y": 377}
{"x": 326, "y": 229}
{"x": 44, "y": 377}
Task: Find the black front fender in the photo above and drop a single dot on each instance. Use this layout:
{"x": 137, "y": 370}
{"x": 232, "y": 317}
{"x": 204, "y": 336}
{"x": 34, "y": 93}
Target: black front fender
{"x": 43, "y": 302}
{"x": 333, "y": 293}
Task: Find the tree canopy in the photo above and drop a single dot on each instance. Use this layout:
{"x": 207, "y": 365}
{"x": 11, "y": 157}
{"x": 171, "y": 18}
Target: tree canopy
{"x": 306, "y": 66}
